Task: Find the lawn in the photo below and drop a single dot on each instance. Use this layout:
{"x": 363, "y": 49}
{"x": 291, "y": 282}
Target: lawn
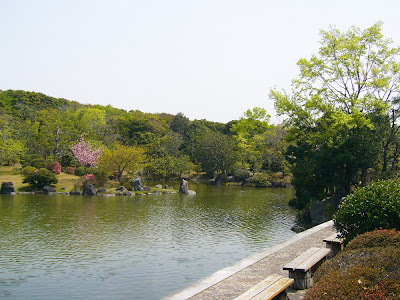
{"x": 13, "y": 173}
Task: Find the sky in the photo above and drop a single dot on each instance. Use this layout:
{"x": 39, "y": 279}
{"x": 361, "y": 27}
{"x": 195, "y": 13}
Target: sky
{"x": 209, "y": 59}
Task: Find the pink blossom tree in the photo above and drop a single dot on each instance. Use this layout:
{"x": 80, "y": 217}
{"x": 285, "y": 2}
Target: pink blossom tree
{"x": 85, "y": 154}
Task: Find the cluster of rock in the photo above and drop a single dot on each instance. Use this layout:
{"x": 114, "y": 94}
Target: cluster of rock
{"x": 136, "y": 185}
{"x": 89, "y": 189}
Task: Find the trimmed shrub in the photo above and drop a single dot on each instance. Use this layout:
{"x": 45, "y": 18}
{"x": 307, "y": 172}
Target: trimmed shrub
{"x": 385, "y": 259}
{"x": 27, "y": 170}
{"x": 241, "y": 174}
{"x": 260, "y": 180}
{"x": 54, "y": 167}
{"x": 40, "y": 178}
{"x": 26, "y": 160}
{"x": 68, "y": 159}
{"x": 377, "y": 238}
{"x": 70, "y": 170}
{"x": 354, "y": 283}
{"x": 80, "y": 171}
{"x": 101, "y": 177}
{"x": 376, "y": 206}
{"x": 39, "y": 163}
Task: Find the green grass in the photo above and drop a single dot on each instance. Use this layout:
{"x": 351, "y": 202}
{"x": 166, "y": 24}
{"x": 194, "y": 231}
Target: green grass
{"x": 12, "y": 173}
{"x": 65, "y": 183}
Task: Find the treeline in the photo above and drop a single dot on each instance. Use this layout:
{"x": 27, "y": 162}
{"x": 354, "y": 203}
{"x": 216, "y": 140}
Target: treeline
{"x": 343, "y": 113}
{"x": 37, "y": 129}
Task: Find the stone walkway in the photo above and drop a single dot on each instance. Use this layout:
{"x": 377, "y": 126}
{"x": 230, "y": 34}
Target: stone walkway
{"x": 233, "y": 281}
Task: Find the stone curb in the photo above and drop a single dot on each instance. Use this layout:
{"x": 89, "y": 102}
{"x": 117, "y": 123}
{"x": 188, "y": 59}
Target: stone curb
{"x": 220, "y": 275}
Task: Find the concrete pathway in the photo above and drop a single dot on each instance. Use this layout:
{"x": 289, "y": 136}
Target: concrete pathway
{"x": 233, "y": 281}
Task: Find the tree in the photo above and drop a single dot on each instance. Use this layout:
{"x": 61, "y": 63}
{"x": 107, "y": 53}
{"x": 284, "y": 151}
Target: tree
{"x": 216, "y": 152}
{"x": 11, "y": 151}
{"x": 249, "y": 135}
{"x": 85, "y": 154}
{"x": 179, "y": 123}
{"x": 168, "y": 166}
{"x": 40, "y": 178}
{"x": 332, "y": 110}
{"x": 122, "y": 159}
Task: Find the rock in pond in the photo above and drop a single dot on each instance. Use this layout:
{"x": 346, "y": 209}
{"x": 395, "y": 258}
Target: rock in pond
{"x": 89, "y": 189}
{"x": 7, "y": 188}
{"x": 184, "y": 188}
{"x": 48, "y": 190}
{"x": 136, "y": 184}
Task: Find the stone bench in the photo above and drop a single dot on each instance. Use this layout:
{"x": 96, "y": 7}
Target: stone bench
{"x": 334, "y": 243}
{"x": 273, "y": 287}
{"x": 303, "y": 267}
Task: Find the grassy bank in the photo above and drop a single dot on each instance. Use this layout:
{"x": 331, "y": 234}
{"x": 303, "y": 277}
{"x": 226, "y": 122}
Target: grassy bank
{"x": 13, "y": 173}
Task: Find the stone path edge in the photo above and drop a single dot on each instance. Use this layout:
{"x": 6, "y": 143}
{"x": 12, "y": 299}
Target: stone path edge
{"x": 222, "y": 274}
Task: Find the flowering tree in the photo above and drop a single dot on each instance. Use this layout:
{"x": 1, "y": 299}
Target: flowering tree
{"x": 85, "y": 154}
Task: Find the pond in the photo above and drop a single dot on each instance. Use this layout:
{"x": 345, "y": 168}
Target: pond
{"x": 141, "y": 247}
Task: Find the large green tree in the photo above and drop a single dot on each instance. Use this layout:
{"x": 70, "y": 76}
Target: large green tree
{"x": 249, "y": 133}
{"x": 333, "y": 107}
{"x": 216, "y": 152}
{"x": 122, "y": 159}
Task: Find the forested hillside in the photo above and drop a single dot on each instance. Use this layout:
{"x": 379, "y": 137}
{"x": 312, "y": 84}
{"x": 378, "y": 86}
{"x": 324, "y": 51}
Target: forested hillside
{"x": 37, "y": 129}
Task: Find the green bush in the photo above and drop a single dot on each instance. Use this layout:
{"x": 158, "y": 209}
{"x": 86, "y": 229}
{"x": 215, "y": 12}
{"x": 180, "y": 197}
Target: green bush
{"x": 241, "y": 174}
{"x": 26, "y": 160}
{"x": 260, "y": 180}
{"x": 80, "y": 171}
{"x": 376, "y": 206}
{"x": 101, "y": 177}
{"x": 39, "y": 163}
{"x": 27, "y": 170}
{"x": 377, "y": 238}
{"x": 40, "y": 178}
{"x": 70, "y": 170}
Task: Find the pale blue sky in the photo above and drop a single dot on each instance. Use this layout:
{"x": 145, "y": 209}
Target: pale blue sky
{"x": 208, "y": 59}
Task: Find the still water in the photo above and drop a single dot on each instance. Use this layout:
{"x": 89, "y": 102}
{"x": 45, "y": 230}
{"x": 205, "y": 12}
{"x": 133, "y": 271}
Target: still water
{"x": 141, "y": 247}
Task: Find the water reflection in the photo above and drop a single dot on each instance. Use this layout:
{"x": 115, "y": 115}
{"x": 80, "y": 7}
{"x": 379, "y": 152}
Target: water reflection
{"x": 142, "y": 247}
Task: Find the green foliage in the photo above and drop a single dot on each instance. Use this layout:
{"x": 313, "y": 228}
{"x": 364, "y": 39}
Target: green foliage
{"x": 70, "y": 170}
{"x": 216, "y": 152}
{"x": 169, "y": 167}
{"x": 376, "y": 238}
{"x": 11, "y": 151}
{"x": 241, "y": 174}
{"x": 260, "y": 180}
{"x": 143, "y": 130}
{"x": 39, "y": 163}
{"x": 80, "y": 171}
{"x": 122, "y": 159}
{"x": 369, "y": 208}
{"x": 179, "y": 123}
{"x": 68, "y": 159}
{"x": 101, "y": 176}
{"x": 27, "y": 170}
{"x": 339, "y": 110}
{"x": 25, "y": 103}
{"x": 27, "y": 159}
{"x": 40, "y": 178}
